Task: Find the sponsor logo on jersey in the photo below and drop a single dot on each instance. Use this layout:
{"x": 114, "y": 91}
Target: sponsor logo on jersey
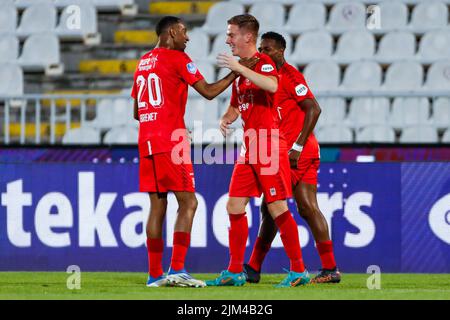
{"x": 191, "y": 67}
{"x": 301, "y": 90}
{"x": 147, "y": 64}
{"x": 247, "y": 82}
{"x": 267, "y": 68}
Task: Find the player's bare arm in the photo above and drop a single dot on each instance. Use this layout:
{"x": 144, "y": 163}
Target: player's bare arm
{"x": 312, "y": 113}
{"x": 212, "y": 90}
{"x": 135, "y": 110}
{"x": 268, "y": 83}
{"x": 228, "y": 118}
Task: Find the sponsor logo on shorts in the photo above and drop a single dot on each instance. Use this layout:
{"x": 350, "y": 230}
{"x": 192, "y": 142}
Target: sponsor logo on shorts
{"x": 273, "y": 192}
{"x": 191, "y": 67}
{"x": 267, "y": 68}
{"x": 301, "y": 90}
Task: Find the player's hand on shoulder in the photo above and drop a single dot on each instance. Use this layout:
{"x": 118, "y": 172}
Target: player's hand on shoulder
{"x": 293, "y": 158}
{"x": 249, "y": 62}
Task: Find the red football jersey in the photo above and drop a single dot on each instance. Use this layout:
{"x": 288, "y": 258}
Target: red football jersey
{"x": 292, "y": 90}
{"x": 256, "y": 105}
{"x": 161, "y": 86}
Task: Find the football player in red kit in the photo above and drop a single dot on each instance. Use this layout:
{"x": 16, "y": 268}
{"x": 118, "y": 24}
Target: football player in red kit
{"x": 298, "y": 111}
{"x": 160, "y": 92}
{"x": 253, "y": 97}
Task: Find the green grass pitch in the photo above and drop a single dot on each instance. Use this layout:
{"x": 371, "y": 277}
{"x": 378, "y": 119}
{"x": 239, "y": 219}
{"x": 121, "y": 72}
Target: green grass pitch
{"x": 109, "y": 285}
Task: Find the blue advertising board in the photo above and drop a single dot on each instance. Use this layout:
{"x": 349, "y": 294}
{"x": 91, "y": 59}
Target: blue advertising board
{"x": 53, "y": 215}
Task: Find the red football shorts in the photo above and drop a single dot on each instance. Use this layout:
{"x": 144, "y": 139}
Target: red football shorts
{"x": 306, "y": 171}
{"x": 249, "y": 180}
{"x": 158, "y": 173}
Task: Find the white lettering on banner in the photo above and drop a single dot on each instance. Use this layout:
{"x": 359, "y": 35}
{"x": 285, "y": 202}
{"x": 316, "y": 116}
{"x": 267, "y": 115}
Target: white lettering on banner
{"x": 45, "y": 219}
{"x": 439, "y": 218}
{"x": 359, "y": 219}
{"x": 221, "y": 222}
{"x": 128, "y": 233}
{"x": 94, "y": 218}
{"x": 199, "y": 227}
{"x": 14, "y": 200}
{"x": 328, "y": 204}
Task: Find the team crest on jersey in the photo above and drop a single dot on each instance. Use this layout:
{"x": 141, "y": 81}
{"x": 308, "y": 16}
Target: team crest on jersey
{"x": 191, "y": 67}
{"x": 267, "y": 68}
{"x": 301, "y": 90}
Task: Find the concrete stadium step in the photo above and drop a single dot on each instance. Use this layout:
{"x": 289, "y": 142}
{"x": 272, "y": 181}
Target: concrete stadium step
{"x": 111, "y": 66}
{"x": 180, "y": 7}
{"x": 140, "y": 37}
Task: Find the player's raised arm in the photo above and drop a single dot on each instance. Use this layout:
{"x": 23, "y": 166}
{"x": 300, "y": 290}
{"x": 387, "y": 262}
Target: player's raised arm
{"x": 268, "y": 83}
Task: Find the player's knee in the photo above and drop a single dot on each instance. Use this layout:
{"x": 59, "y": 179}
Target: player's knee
{"x": 233, "y": 207}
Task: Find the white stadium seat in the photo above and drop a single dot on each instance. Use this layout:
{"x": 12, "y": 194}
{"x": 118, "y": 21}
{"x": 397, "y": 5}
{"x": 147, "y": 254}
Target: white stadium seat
{"x": 368, "y": 111}
{"x": 435, "y": 45}
{"x": 323, "y": 75}
{"x": 419, "y": 134}
{"x": 355, "y": 45}
{"x": 311, "y": 46}
{"x": 394, "y": 15}
{"x": 82, "y": 135}
{"x": 87, "y": 30}
{"x": 112, "y": 4}
{"x": 429, "y": 15}
{"x": 218, "y": 14}
{"x": 446, "y": 136}
{"x": 112, "y": 113}
{"x": 376, "y": 133}
{"x": 9, "y": 48}
{"x": 219, "y": 46}
{"x": 48, "y": 59}
{"x": 334, "y": 134}
{"x": 270, "y": 16}
{"x": 333, "y": 111}
{"x": 306, "y": 17}
{"x": 8, "y": 18}
{"x": 198, "y": 45}
{"x": 38, "y": 18}
{"x": 11, "y": 80}
{"x": 200, "y": 111}
{"x": 441, "y": 113}
{"x": 362, "y": 75}
{"x": 404, "y": 75}
{"x": 395, "y": 46}
{"x": 409, "y": 112}
{"x": 208, "y": 72}
{"x": 438, "y": 76}
{"x": 222, "y": 73}
{"x": 23, "y": 4}
{"x": 121, "y": 135}
{"x": 346, "y": 16}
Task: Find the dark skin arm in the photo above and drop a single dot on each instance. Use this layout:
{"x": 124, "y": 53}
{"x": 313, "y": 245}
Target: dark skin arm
{"x": 312, "y": 112}
{"x": 135, "y": 110}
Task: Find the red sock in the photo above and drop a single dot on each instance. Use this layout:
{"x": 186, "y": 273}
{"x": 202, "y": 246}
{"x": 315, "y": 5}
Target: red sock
{"x": 291, "y": 242}
{"x": 181, "y": 241}
{"x": 155, "y": 251}
{"x": 237, "y": 237}
{"x": 259, "y": 253}
{"x": 325, "y": 249}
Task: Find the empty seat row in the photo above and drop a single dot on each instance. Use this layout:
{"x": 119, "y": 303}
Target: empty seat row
{"x": 380, "y": 134}
{"x": 87, "y": 135}
{"x": 310, "y": 15}
{"x": 404, "y": 112}
{"x": 77, "y": 21}
{"x": 100, "y": 4}
{"x": 331, "y": 2}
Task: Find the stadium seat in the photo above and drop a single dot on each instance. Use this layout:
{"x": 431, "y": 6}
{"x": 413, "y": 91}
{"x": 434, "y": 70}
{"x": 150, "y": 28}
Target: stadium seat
{"x": 429, "y": 15}
{"x": 141, "y": 37}
{"x": 121, "y": 135}
{"x": 334, "y": 134}
{"x": 376, "y": 133}
{"x": 368, "y": 111}
{"x": 441, "y": 113}
{"x": 47, "y": 60}
{"x": 202, "y": 111}
{"x": 38, "y": 18}
{"x": 404, "y": 75}
{"x": 208, "y": 72}
{"x": 11, "y": 80}
{"x": 396, "y": 46}
{"x": 434, "y": 45}
{"x": 305, "y": 17}
{"x": 219, "y": 46}
{"x": 333, "y": 111}
{"x": 198, "y": 45}
{"x": 87, "y": 30}
{"x": 8, "y": 18}
{"x": 394, "y": 15}
{"x": 112, "y": 113}
{"x": 446, "y": 136}
{"x": 355, "y": 45}
{"x": 9, "y": 48}
{"x": 438, "y": 76}
{"x": 216, "y": 20}
{"x": 312, "y": 46}
{"x": 362, "y": 75}
{"x": 222, "y": 73}
{"x": 23, "y": 4}
{"x": 409, "y": 112}
{"x": 345, "y": 16}
{"x": 270, "y": 16}
{"x": 323, "y": 75}
{"x": 116, "y": 5}
{"x": 82, "y": 135}
{"x": 419, "y": 134}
